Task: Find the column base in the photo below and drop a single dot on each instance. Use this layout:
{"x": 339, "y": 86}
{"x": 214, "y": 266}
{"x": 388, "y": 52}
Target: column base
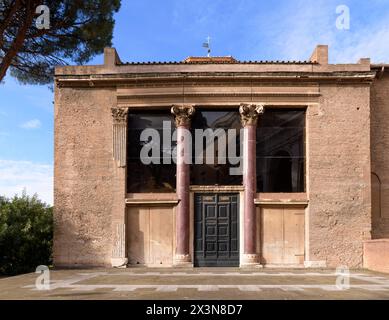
{"x": 250, "y": 261}
{"x": 182, "y": 260}
{"x": 119, "y": 262}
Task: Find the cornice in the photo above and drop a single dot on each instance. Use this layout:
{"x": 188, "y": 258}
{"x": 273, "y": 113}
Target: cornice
{"x": 113, "y": 80}
{"x": 217, "y": 94}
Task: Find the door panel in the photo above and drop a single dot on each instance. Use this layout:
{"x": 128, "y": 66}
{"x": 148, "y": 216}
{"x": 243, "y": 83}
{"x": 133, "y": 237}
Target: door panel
{"x": 161, "y": 236}
{"x": 294, "y": 236}
{"x": 138, "y": 235}
{"x": 216, "y": 230}
{"x": 150, "y": 233}
{"x": 282, "y": 235}
{"x": 272, "y": 235}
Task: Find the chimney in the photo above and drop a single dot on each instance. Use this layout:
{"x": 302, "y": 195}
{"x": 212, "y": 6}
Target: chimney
{"x": 364, "y": 61}
{"x": 320, "y": 54}
{"x": 111, "y": 57}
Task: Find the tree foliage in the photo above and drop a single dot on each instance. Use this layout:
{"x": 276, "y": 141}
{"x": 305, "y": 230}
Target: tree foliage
{"x": 79, "y": 30}
{"x": 26, "y": 233}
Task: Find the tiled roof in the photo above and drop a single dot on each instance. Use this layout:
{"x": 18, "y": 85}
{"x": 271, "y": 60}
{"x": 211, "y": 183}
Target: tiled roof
{"x": 218, "y": 60}
{"x": 225, "y": 59}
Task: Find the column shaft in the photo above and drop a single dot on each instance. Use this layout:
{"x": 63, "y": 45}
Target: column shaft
{"x": 249, "y": 115}
{"x": 249, "y": 178}
{"x": 182, "y": 215}
{"x": 182, "y": 118}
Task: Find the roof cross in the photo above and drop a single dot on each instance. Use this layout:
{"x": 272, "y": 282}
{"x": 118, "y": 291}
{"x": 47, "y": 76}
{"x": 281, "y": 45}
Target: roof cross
{"x": 207, "y": 45}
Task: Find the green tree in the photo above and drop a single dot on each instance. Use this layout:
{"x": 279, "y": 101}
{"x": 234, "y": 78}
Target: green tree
{"x": 78, "y": 30}
{"x": 26, "y": 234}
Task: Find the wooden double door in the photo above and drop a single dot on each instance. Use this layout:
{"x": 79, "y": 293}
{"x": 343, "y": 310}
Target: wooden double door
{"x": 282, "y": 239}
{"x": 216, "y": 230}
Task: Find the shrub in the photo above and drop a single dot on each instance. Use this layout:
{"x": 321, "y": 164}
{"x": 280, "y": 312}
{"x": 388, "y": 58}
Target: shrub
{"x": 26, "y": 234}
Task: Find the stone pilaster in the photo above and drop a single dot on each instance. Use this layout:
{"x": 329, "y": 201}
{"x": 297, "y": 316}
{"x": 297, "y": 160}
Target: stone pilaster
{"x": 119, "y": 152}
{"x": 249, "y": 116}
{"x": 182, "y": 116}
{"x": 119, "y": 136}
{"x": 119, "y": 258}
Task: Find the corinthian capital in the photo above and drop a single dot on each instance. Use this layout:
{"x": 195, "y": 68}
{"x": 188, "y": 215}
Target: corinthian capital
{"x": 249, "y": 113}
{"x": 182, "y": 114}
{"x": 119, "y": 115}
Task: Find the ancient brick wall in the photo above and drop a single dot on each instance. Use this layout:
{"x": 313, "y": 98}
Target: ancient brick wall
{"x": 380, "y": 156}
{"x": 89, "y": 188}
{"x": 83, "y": 176}
{"x": 338, "y": 175}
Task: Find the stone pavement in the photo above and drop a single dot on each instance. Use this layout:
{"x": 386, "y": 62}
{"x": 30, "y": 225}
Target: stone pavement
{"x": 198, "y": 283}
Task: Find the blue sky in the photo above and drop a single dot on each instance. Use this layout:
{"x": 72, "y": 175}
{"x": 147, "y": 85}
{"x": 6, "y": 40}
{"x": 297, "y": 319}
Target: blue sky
{"x": 153, "y": 30}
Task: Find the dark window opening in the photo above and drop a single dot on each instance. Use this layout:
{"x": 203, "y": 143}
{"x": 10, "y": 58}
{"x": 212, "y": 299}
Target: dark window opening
{"x": 281, "y": 169}
{"x": 281, "y": 151}
{"x": 151, "y": 177}
{"x": 218, "y": 172}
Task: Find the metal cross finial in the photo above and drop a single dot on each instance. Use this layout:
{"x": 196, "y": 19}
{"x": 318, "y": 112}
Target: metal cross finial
{"x": 208, "y": 46}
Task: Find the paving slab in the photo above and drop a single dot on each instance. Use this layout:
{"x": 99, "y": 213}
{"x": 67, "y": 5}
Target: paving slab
{"x": 198, "y": 283}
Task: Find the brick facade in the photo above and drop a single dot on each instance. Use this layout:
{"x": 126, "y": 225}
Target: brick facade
{"x": 380, "y": 155}
{"x": 347, "y": 138}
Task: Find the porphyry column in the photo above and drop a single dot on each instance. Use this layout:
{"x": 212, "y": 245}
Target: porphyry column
{"x": 119, "y": 147}
{"x": 182, "y": 114}
{"x": 249, "y": 116}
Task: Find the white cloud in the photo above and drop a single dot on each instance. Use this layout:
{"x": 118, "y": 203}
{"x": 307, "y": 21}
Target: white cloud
{"x": 31, "y": 124}
{"x": 34, "y": 177}
{"x": 300, "y": 26}
{"x": 368, "y": 43}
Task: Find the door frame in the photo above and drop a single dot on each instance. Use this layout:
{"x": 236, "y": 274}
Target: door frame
{"x": 236, "y": 189}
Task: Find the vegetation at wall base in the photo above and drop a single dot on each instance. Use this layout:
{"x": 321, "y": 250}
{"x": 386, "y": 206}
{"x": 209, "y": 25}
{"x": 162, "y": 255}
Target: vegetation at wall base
{"x": 26, "y": 234}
